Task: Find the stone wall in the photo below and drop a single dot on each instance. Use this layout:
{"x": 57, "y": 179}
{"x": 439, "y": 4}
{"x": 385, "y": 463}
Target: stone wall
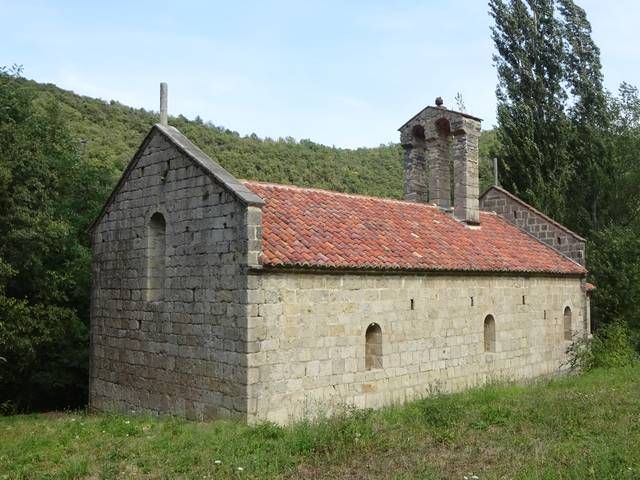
{"x": 534, "y": 222}
{"x": 306, "y": 336}
{"x": 183, "y": 352}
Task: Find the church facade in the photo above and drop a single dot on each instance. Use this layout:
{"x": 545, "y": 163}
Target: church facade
{"x": 215, "y": 297}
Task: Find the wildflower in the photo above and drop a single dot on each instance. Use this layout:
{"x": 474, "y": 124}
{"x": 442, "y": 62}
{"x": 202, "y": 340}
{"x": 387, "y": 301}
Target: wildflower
{"x": 127, "y": 422}
{"x": 218, "y": 462}
{"x": 240, "y": 469}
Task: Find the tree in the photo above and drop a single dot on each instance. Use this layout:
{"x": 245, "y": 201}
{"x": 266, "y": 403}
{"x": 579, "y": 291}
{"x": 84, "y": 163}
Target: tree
{"x": 533, "y": 126}
{"x": 589, "y": 118}
{"x": 43, "y": 259}
{"x": 622, "y": 206}
{"x": 613, "y": 254}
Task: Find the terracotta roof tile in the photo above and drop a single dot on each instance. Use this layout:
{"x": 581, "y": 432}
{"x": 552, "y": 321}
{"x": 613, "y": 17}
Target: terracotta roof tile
{"x": 318, "y": 228}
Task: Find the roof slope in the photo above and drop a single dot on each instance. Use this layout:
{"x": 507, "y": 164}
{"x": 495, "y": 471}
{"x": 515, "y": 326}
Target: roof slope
{"x": 318, "y": 228}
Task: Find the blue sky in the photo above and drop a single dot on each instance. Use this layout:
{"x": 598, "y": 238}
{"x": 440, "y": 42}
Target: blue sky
{"x": 344, "y": 73}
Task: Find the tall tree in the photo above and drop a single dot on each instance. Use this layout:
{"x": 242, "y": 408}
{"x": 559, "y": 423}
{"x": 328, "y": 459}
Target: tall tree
{"x": 589, "y": 118}
{"x": 533, "y": 125}
{"x": 623, "y": 197}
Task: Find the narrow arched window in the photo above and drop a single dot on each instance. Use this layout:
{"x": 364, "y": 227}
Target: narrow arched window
{"x": 489, "y": 334}
{"x": 156, "y": 232}
{"x": 418, "y": 132}
{"x": 567, "y": 324}
{"x": 373, "y": 347}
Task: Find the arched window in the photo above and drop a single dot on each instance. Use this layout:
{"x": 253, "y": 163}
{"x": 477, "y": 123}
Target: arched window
{"x": 156, "y": 231}
{"x": 567, "y": 324}
{"x": 489, "y": 334}
{"x": 443, "y": 127}
{"x": 373, "y": 347}
{"x": 418, "y": 132}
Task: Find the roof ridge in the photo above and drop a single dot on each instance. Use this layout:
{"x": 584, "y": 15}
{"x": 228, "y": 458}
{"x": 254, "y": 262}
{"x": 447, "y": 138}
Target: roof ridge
{"x": 342, "y": 194}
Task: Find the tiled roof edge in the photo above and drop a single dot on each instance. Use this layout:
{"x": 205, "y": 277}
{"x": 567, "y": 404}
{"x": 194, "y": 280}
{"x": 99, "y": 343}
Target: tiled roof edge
{"x": 344, "y": 194}
{"x": 403, "y": 270}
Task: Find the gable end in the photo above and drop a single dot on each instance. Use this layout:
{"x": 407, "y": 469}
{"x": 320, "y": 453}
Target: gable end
{"x": 191, "y": 151}
{"x": 535, "y": 223}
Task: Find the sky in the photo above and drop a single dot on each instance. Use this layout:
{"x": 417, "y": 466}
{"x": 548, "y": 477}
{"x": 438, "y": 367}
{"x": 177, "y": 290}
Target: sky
{"x": 345, "y": 73}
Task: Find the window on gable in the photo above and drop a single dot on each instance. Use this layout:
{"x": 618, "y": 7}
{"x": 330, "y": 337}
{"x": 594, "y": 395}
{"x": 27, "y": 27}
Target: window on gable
{"x": 156, "y": 233}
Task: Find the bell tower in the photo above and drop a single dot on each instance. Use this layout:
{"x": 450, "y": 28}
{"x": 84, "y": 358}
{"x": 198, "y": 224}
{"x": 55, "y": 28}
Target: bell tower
{"x": 441, "y": 160}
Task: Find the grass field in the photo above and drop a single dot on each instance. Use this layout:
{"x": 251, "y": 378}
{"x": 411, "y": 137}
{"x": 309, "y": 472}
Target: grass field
{"x": 581, "y": 427}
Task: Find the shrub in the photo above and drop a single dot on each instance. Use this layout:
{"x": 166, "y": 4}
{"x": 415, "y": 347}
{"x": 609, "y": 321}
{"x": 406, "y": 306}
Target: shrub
{"x": 612, "y": 346}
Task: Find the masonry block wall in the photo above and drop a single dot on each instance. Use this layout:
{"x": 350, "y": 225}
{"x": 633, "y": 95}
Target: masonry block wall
{"x": 175, "y": 344}
{"x": 534, "y": 222}
{"x": 307, "y": 336}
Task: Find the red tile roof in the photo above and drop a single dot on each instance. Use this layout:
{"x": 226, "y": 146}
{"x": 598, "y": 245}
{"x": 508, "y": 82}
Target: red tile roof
{"x": 306, "y": 227}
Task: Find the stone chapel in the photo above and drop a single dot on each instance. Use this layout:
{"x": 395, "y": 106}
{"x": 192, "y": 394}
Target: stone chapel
{"x": 214, "y": 296}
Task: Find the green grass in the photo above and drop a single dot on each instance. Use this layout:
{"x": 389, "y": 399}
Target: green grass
{"x": 580, "y": 427}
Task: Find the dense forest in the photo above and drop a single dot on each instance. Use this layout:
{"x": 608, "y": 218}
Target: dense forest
{"x": 564, "y": 144}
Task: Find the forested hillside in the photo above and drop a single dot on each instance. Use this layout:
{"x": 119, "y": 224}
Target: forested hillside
{"x": 109, "y": 132}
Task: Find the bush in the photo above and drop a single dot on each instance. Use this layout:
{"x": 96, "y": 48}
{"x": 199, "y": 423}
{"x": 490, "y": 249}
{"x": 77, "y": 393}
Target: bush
{"x": 612, "y": 346}
{"x": 43, "y": 362}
